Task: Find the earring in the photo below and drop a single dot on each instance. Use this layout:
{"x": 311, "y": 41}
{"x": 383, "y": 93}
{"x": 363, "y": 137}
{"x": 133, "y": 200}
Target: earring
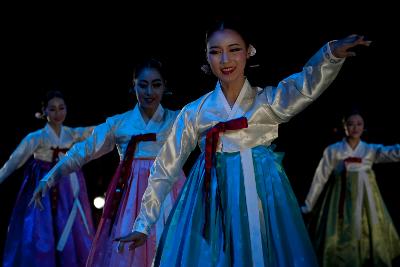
{"x": 39, "y": 115}
{"x": 167, "y": 91}
{"x": 206, "y": 69}
{"x": 252, "y": 50}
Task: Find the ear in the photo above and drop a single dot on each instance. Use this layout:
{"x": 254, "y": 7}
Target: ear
{"x": 132, "y": 88}
{"x": 206, "y": 56}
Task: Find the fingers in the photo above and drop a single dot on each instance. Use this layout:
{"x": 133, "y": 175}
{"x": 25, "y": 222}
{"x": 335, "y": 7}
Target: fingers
{"x": 132, "y": 246}
{"x": 35, "y": 200}
{"x": 121, "y": 243}
{"x": 43, "y": 189}
{"x": 31, "y": 202}
{"x": 39, "y": 203}
{"x": 136, "y": 243}
{"x": 119, "y": 239}
{"x": 360, "y": 40}
{"x": 123, "y": 239}
{"x": 36, "y": 204}
{"x": 367, "y": 43}
{"x": 351, "y": 54}
{"x": 120, "y": 247}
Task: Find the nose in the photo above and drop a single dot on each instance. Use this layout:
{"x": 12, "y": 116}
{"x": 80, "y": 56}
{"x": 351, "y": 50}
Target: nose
{"x": 224, "y": 57}
{"x": 149, "y": 89}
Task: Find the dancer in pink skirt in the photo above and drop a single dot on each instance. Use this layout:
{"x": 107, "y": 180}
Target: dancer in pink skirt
{"x": 138, "y": 134}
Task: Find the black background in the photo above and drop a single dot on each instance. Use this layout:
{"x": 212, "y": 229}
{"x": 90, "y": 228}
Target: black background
{"x": 89, "y": 52}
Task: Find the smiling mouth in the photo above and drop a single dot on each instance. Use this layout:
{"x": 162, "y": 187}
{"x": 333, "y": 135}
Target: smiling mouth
{"x": 227, "y": 71}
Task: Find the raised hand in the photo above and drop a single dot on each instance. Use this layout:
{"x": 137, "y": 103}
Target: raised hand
{"x": 340, "y": 48}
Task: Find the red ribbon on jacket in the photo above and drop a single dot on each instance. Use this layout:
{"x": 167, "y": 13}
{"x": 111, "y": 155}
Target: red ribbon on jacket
{"x": 56, "y": 151}
{"x": 352, "y": 160}
{"x": 342, "y": 195}
{"x": 117, "y": 185}
{"x": 212, "y": 139}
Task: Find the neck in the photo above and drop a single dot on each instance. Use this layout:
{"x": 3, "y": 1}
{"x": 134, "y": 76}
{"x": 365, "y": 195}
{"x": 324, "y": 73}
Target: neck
{"x": 232, "y": 90}
{"x": 353, "y": 142}
{"x": 56, "y": 128}
{"x": 147, "y": 114}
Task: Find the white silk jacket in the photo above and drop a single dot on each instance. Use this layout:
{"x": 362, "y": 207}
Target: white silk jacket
{"x": 264, "y": 108}
{"x": 39, "y": 144}
{"x": 116, "y": 131}
{"x": 333, "y": 162}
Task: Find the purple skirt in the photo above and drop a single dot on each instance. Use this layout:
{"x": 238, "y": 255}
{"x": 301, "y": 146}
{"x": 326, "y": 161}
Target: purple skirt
{"x": 33, "y": 234}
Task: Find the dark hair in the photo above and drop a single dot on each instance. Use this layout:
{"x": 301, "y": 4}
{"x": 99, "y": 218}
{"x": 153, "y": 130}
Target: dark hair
{"x": 350, "y": 112}
{"x": 149, "y": 63}
{"x": 231, "y": 23}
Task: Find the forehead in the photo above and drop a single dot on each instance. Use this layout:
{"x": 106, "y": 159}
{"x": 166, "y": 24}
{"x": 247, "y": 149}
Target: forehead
{"x": 56, "y": 101}
{"x": 355, "y": 118}
{"x": 225, "y": 37}
{"x": 149, "y": 74}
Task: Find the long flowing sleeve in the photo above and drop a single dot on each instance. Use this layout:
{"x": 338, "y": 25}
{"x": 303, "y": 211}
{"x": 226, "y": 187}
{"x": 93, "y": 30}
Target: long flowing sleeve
{"x": 297, "y": 91}
{"x": 165, "y": 170}
{"x": 81, "y": 133}
{"x": 387, "y": 153}
{"x": 20, "y": 155}
{"x": 321, "y": 176}
{"x": 100, "y": 142}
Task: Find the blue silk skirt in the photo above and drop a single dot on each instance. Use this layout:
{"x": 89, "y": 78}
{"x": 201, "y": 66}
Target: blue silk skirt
{"x": 260, "y": 225}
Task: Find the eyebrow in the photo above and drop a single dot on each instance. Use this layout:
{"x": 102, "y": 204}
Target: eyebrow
{"x": 230, "y": 45}
{"x": 146, "y": 81}
{"x": 56, "y": 106}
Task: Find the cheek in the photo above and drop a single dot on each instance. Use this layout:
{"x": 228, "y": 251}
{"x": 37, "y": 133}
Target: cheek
{"x": 213, "y": 61}
{"x": 138, "y": 94}
{"x": 242, "y": 58}
{"x": 160, "y": 95}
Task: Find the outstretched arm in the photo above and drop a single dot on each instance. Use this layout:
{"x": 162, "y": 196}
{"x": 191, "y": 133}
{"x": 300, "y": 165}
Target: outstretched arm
{"x": 99, "y": 143}
{"x": 387, "y": 153}
{"x": 299, "y": 90}
{"x": 20, "y": 155}
{"x": 321, "y": 176}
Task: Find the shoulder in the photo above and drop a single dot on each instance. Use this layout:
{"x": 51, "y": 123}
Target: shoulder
{"x": 373, "y": 146}
{"x": 68, "y": 128}
{"x": 35, "y": 134}
{"x": 169, "y": 113}
{"x": 334, "y": 147}
{"x": 118, "y": 117}
{"x": 197, "y": 104}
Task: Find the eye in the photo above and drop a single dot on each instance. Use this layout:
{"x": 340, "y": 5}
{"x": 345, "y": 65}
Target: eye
{"x": 157, "y": 85}
{"x": 142, "y": 85}
{"x": 236, "y": 49}
{"x": 214, "y": 52}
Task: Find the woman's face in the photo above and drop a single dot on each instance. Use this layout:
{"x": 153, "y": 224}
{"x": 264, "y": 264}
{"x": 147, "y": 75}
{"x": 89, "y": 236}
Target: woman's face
{"x": 149, "y": 87}
{"x": 56, "y": 111}
{"x": 227, "y": 55}
{"x": 354, "y": 126}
